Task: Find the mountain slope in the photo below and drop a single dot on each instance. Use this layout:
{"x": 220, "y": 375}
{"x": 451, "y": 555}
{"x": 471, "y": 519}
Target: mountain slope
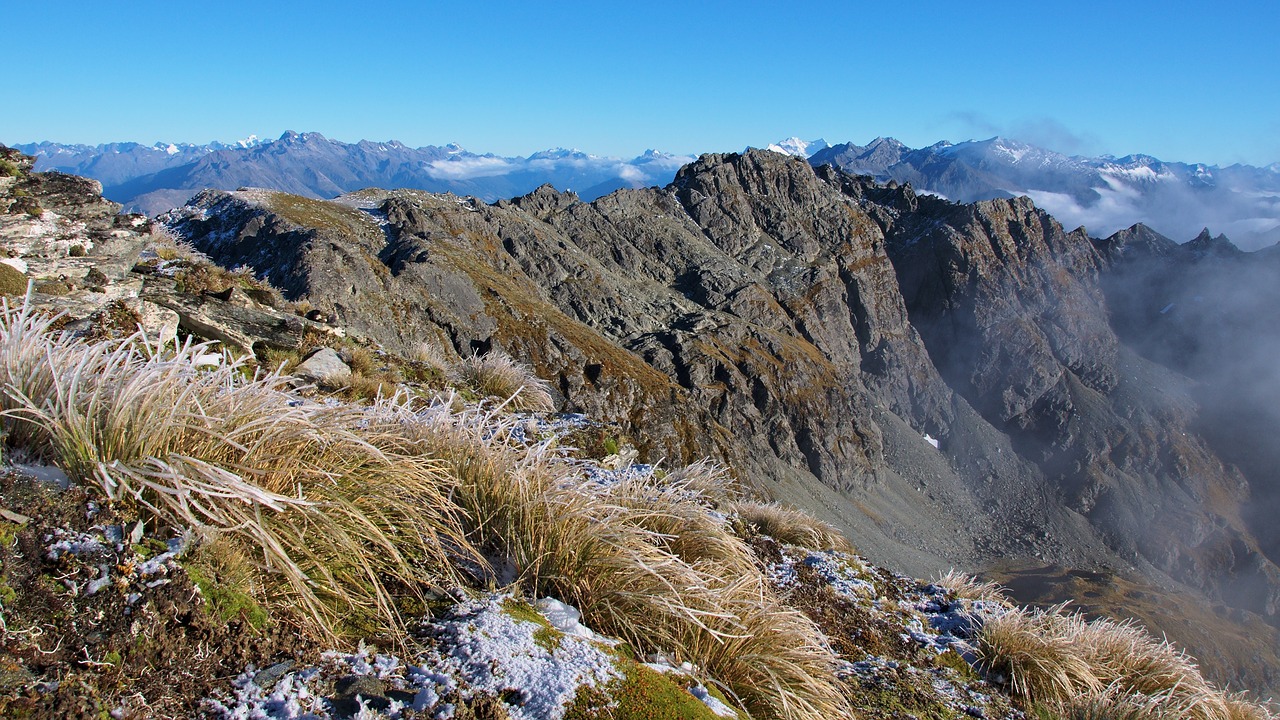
{"x": 810, "y": 329}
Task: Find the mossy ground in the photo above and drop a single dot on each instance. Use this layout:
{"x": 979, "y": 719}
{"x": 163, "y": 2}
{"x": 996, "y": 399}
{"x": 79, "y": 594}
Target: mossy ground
{"x": 642, "y": 694}
{"x": 71, "y": 654}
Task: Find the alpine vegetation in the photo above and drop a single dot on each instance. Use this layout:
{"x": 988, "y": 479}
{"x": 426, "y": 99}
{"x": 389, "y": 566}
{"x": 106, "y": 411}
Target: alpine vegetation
{"x": 349, "y": 513}
{"x": 1070, "y": 667}
{"x": 185, "y": 533}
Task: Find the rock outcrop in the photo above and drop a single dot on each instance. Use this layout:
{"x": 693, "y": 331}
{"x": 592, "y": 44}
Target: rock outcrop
{"x": 964, "y": 385}
{"x": 810, "y": 328}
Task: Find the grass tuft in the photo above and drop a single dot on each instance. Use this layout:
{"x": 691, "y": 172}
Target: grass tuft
{"x": 790, "y": 526}
{"x": 497, "y": 375}
{"x": 1070, "y": 669}
{"x": 339, "y": 520}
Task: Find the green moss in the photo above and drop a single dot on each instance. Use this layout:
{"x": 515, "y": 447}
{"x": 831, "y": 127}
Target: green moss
{"x": 8, "y": 533}
{"x": 12, "y": 281}
{"x": 228, "y": 602}
{"x": 75, "y": 251}
{"x": 546, "y": 635}
{"x": 57, "y": 288}
{"x": 641, "y": 694}
{"x": 149, "y": 548}
{"x": 112, "y": 658}
{"x": 952, "y": 660}
{"x": 7, "y": 595}
{"x": 9, "y": 169}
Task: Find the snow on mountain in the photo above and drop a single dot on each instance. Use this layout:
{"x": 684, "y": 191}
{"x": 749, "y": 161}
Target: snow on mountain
{"x": 1103, "y": 194}
{"x": 799, "y": 148}
{"x": 155, "y": 178}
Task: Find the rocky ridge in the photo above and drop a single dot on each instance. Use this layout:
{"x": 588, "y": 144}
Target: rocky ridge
{"x": 800, "y": 326}
{"x": 810, "y": 329}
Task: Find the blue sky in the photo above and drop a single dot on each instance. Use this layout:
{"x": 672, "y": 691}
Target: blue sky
{"x": 1191, "y": 81}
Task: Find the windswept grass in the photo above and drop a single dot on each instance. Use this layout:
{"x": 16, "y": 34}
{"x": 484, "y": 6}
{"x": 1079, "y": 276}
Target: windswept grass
{"x": 644, "y": 560}
{"x": 342, "y": 511}
{"x": 1070, "y": 669}
{"x": 497, "y": 375}
{"x": 341, "y": 520}
{"x": 969, "y": 587}
{"x": 787, "y": 525}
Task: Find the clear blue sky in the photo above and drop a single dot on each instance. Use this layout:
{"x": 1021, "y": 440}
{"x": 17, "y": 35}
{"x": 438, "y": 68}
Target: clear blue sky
{"x": 1191, "y": 81}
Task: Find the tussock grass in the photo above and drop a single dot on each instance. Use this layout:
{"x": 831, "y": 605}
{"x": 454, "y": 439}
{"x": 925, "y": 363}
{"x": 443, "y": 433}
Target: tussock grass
{"x": 1078, "y": 670}
{"x": 340, "y": 520}
{"x": 434, "y": 355}
{"x": 969, "y": 587}
{"x": 790, "y": 526}
{"x": 1036, "y": 652}
{"x": 341, "y": 511}
{"x": 644, "y": 560}
{"x": 497, "y": 375}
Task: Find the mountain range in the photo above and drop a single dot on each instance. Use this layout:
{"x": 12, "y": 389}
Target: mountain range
{"x": 964, "y": 385}
{"x": 1104, "y": 194}
{"x": 154, "y": 178}
{"x": 951, "y": 384}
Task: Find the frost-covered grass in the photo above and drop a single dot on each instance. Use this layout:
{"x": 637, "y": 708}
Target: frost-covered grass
{"x": 1076, "y": 669}
{"x": 349, "y": 515}
{"x": 790, "y": 526}
{"x": 645, "y": 559}
{"x": 497, "y": 375}
{"x": 340, "y": 518}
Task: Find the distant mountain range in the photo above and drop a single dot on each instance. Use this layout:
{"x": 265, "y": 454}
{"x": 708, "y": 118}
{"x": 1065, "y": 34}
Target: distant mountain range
{"x": 155, "y": 178}
{"x": 1104, "y": 194}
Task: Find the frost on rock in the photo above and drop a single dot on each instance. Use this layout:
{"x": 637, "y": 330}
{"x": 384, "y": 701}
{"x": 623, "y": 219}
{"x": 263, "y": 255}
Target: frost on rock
{"x": 491, "y": 652}
{"x": 478, "y": 649}
{"x": 844, "y": 573}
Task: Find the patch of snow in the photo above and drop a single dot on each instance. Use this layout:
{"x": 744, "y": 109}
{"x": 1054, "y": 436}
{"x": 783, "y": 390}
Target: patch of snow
{"x": 44, "y": 473}
{"x": 564, "y": 618}
{"x": 16, "y": 263}
{"x": 491, "y": 652}
{"x": 712, "y": 702}
{"x": 841, "y": 571}
{"x": 931, "y": 440}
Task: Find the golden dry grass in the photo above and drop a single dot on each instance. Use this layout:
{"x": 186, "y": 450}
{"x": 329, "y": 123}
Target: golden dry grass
{"x": 1078, "y": 670}
{"x": 341, "y": 520}
{"x": 644, "y": 559}
{"x": 791, "y": 526}
{"x": 970, "y": 587}
{"x": 342, "y": 510}
{"x": 497, "y": 375}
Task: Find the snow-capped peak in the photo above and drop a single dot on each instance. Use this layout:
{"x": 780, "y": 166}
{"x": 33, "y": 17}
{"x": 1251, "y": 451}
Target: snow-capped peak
{"x": 799, "y": 148}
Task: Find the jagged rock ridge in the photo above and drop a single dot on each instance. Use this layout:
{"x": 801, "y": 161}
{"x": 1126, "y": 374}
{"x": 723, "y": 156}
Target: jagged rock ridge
{"x": 809, "y": 328}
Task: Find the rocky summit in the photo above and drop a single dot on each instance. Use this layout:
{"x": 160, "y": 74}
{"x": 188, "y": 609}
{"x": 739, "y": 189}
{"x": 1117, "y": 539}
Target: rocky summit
{"x": 949, "y": 385}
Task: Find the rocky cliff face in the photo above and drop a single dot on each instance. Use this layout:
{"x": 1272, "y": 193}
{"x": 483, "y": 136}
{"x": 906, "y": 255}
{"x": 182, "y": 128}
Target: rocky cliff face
{"x": 811, "y": 329}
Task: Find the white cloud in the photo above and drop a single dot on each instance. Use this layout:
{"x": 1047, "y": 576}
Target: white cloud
{"x": 458, "y": 168}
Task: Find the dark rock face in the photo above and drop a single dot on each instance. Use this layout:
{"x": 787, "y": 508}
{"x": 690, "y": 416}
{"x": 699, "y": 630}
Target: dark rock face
{"x": 1209, "y": 311}
{"x": 1013, "y": 311}
{"x": 809, "y": 327}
